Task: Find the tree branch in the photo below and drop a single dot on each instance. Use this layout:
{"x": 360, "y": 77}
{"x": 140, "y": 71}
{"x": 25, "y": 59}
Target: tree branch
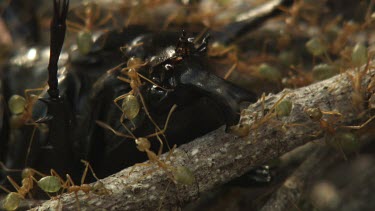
{"x": 219, "y": 157}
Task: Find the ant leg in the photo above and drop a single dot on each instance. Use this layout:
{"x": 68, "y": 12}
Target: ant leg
{"x": 106, "y": 126}
{"x": 126, "y": 128}
{"x": 124, "y": 79}
{"x": 162, "y": 131}
{"x": 116, "y": 67}
{"x": 163, "y": 196}
{"x": 120, "y": 98}
{"x": 30, "y": 144}
{"x": 234, "y": 66}
{"x": 28, "y": 91}
{"x": 85, "y": 171}
{"x": 5, "y": 189}
{"x": 263, "y": 103}
{"x": 54, "y": 173}
{"x": 80, "y": 16}
{"x": 96, "y": 12}
{"x": 230, "y": 71}
{"x": 169, "y": 20}
{"x": 170, "y": 153}
{"x": 149, "y": 115}
{"x": 277, "y": 103}
{"x": 148, "y": 80}
{"x": 75, "y": 27}
{"x": 77, "y": 200}
{"x": 70, "y": 180}
{"x": 105, "y": 20}
{"x": 334, "y": 113}
{"x": 138, "y": 164}
{"x": 161, "y": 145}
{"x": 13, "y": 183}
{"x": 359, "y": 126}
{"x": 88, "y": 166}
{"x": 123, "y": 48}
{"x": 2, "y": 166}
{"x": 101, "y": 184}
{"x": 75, "y": 192}
{"x": 166, "y": 123}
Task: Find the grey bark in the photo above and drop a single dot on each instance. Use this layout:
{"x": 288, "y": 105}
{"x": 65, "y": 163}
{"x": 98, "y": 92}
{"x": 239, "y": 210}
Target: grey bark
{"x": 290, "y": 193}
{"x": 219, "y": 157}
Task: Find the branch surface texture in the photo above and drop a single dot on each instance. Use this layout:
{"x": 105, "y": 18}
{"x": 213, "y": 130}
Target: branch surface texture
{"x": 219, "y": 157}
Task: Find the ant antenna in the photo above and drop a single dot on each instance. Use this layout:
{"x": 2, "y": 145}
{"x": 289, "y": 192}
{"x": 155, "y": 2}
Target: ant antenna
{"x": 58, "y": 29}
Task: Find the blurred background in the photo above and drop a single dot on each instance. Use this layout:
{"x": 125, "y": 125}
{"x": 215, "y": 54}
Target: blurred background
{"x": 298, "y": 43}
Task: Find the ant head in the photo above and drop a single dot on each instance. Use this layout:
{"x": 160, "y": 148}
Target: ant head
{"x": 143, "y": 144}
{"x": 28, "y": 172}
{"x": 134, "y": 61}
{"x": 315, "y": 114}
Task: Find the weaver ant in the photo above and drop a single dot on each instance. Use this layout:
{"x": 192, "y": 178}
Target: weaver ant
{"x": 13, "y": 199}
{"x": 90, "y": 21}
{"x": 54, "y": 183}
{"x": 22, "y": 111}
{"x": 130, "y": 105}
{"x": 218, "y": 50}
{"x": 328, "y": 126}
{"x": 143, "y": 145}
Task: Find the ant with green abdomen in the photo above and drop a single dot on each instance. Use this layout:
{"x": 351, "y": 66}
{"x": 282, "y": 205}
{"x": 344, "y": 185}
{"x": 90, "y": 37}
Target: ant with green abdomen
{"x": 178, "y": 174}
{"x": 54, "y": 183}
{"x": 89, "y": 21}
{"x": 13, "y": 199}
{"x": 21, "y": 109}
{"x": 130, "y": 105}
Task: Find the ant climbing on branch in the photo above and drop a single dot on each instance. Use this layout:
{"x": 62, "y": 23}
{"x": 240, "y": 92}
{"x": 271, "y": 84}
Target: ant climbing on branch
{"x": 54, "y": 183}
{"x": 130, "y": 105}
{"x": 179, "y": 174}
{"x": 13, "y": 199}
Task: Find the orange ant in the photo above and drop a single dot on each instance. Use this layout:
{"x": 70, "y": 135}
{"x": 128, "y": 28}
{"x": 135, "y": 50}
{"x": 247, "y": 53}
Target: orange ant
{"x": 54, "y": 183}
{"x": 218, "y": 50}
{"x": 192, "y": 13}
{"x": 89, "y": 22}
{"x": 13, "y": 199}
{"x": 179, "y": 175}
{"x": 347, "y": 30}
{"x": 297, "y": 78}
{"x": 358, "y": 90}
{"x": 141, "y": 12}
{"x": 21, "y": 109}
{"x": 316, "y": 115}
{"x": 244, "y": 129}
{"x": 296, "y": 11}
{"x": 130, "y": 105}
{"x": 328, "y": 126}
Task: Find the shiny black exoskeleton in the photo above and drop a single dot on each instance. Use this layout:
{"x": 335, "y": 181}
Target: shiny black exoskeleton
{"x": 204, "y": 100}
{"x": 87, "y": 91}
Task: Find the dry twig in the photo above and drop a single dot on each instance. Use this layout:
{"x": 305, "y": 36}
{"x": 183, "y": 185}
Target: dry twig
{"x": 219, "y": 157}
